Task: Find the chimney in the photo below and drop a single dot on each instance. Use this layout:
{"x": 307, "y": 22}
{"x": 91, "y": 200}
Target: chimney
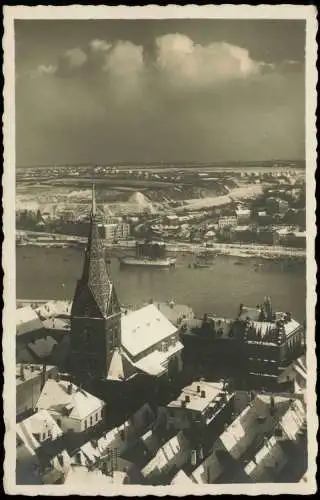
{"x": 69, "y": 388}
{"x": 194, "y": 457}
{"x": 203, "y": 394}
{"x": 22, "y": 374}
{"x": 198, "y": 388}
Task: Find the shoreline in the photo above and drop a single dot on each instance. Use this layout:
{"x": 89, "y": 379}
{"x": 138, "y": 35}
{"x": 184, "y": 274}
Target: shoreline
{"x": 218, "y": 249}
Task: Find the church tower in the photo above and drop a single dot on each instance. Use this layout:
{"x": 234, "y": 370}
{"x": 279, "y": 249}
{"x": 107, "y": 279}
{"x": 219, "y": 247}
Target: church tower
{"x": 95, "y": 313}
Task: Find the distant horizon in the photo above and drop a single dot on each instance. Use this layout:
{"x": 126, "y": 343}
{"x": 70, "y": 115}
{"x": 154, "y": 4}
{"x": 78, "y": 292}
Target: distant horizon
{"x": 159, "y": 162}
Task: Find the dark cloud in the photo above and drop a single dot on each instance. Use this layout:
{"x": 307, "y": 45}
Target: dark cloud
{"x": 182, "y": 100}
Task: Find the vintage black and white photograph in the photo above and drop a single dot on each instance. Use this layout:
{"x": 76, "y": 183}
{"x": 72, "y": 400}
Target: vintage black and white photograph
{"x": 159, "y": 174}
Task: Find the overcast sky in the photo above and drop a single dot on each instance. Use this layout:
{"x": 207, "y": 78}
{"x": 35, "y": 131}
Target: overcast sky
{"x": 194, "y": 90}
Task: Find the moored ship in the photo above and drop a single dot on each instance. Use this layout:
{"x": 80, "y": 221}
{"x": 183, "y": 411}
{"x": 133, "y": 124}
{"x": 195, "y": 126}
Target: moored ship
{"x": 149, "y": 254}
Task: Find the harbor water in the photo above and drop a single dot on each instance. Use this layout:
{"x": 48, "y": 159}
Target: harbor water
{"x": 51, "y": 273}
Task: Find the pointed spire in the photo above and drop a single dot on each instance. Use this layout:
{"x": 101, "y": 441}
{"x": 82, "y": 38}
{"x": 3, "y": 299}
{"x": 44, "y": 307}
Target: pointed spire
{"x": 95, "y": 277}
{"x": 93, "y": 206}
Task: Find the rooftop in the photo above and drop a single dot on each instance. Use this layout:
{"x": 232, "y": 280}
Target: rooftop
{"x": 175, "y": 313}
{"x": 54, "y": 308}
{"x": 181, "y": 478}
{"x": 80, "y": 476}
{"x": 156, "y": 362}
{"x": 167, "y": 453}
{"x": 198, "y": 396}
{"x": 268, "y": 462}
{"x": 38, "y": 428}
{"x": 255, "y": 420}
{"x": 28, "y": 371}
{"x": 43, "y": 347}
{"x": 57, "y": 398}
{"x": 27, "y": 320}
{"x": 143, "y": 328}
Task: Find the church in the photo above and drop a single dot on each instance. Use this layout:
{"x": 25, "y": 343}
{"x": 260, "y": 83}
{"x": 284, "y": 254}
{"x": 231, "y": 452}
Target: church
{"x": 108, "y": 344}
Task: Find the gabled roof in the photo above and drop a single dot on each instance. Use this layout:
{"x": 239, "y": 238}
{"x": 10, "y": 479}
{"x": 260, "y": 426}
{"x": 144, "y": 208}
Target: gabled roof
{"x": 181, "y": 478}
{"x": 166, "y": 454}
{"x": 210, "y": 469}
{"x": 293, "y": 420}
{"x": 156, "y": 363}
{"x": 144, "y": 328}
{"x": 267, "y": 463}
{"x": 38, "y": 424}
{"x": 254, "y": 420}
{"x": 56, "y": 399}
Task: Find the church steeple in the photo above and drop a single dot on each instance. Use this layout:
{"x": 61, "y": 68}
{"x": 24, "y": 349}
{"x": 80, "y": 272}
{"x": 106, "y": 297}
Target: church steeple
{"x": 95, "y": 277}
{"x": 96, "y": 312}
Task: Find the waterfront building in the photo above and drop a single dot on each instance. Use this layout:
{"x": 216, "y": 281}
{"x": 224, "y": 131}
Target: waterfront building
{"x": 267, "y": 236}
{"x": 277, "y": 205}
{"x": 259, "y": 343}
{"x": 73, "y": 408}
{"x": 243, "y": 215}
{"x": 41, "y": 456}
{"x": 114, "y": 231}
{"x": 227, "y": 221}
{"x": 95, "y": 313}
{"x": 30, "y": 380}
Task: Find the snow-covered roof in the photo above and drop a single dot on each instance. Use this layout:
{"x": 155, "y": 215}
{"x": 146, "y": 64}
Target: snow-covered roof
{"x": 209, "y": 470}
{"x": 181, "y": 478}
{"x": 199, "y": 394}
{"x": 269, "y": 461}
{"x": 167, "y": 453}
{"x": 156, "y": 363}
{"x": 293, "y": 420}
{"x": 55, "y": 308}
{"x": 43, "y": 347}
{"x": 37, "y": 428}
{"x": 27, "y": 320}
{"x": 56, "y": 398}
{"x": 255, "y": 419}
{"x": 116, "y": 369}
{"x": 26, "y": 371}
{"x": 80, "y": 475}
{"x": 175, "y": 312}
{"x": 143, "y": 328}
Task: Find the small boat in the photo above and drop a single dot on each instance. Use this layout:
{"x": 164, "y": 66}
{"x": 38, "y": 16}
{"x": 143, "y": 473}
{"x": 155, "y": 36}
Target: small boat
{"x": 238, "y": 263}
{"x": 200, "y": 265}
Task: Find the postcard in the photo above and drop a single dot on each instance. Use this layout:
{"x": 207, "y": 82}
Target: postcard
{"x": 158, "y": 253}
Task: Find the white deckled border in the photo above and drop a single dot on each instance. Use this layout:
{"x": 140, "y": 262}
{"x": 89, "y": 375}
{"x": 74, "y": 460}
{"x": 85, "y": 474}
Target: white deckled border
{"x": 307, "y": 13}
